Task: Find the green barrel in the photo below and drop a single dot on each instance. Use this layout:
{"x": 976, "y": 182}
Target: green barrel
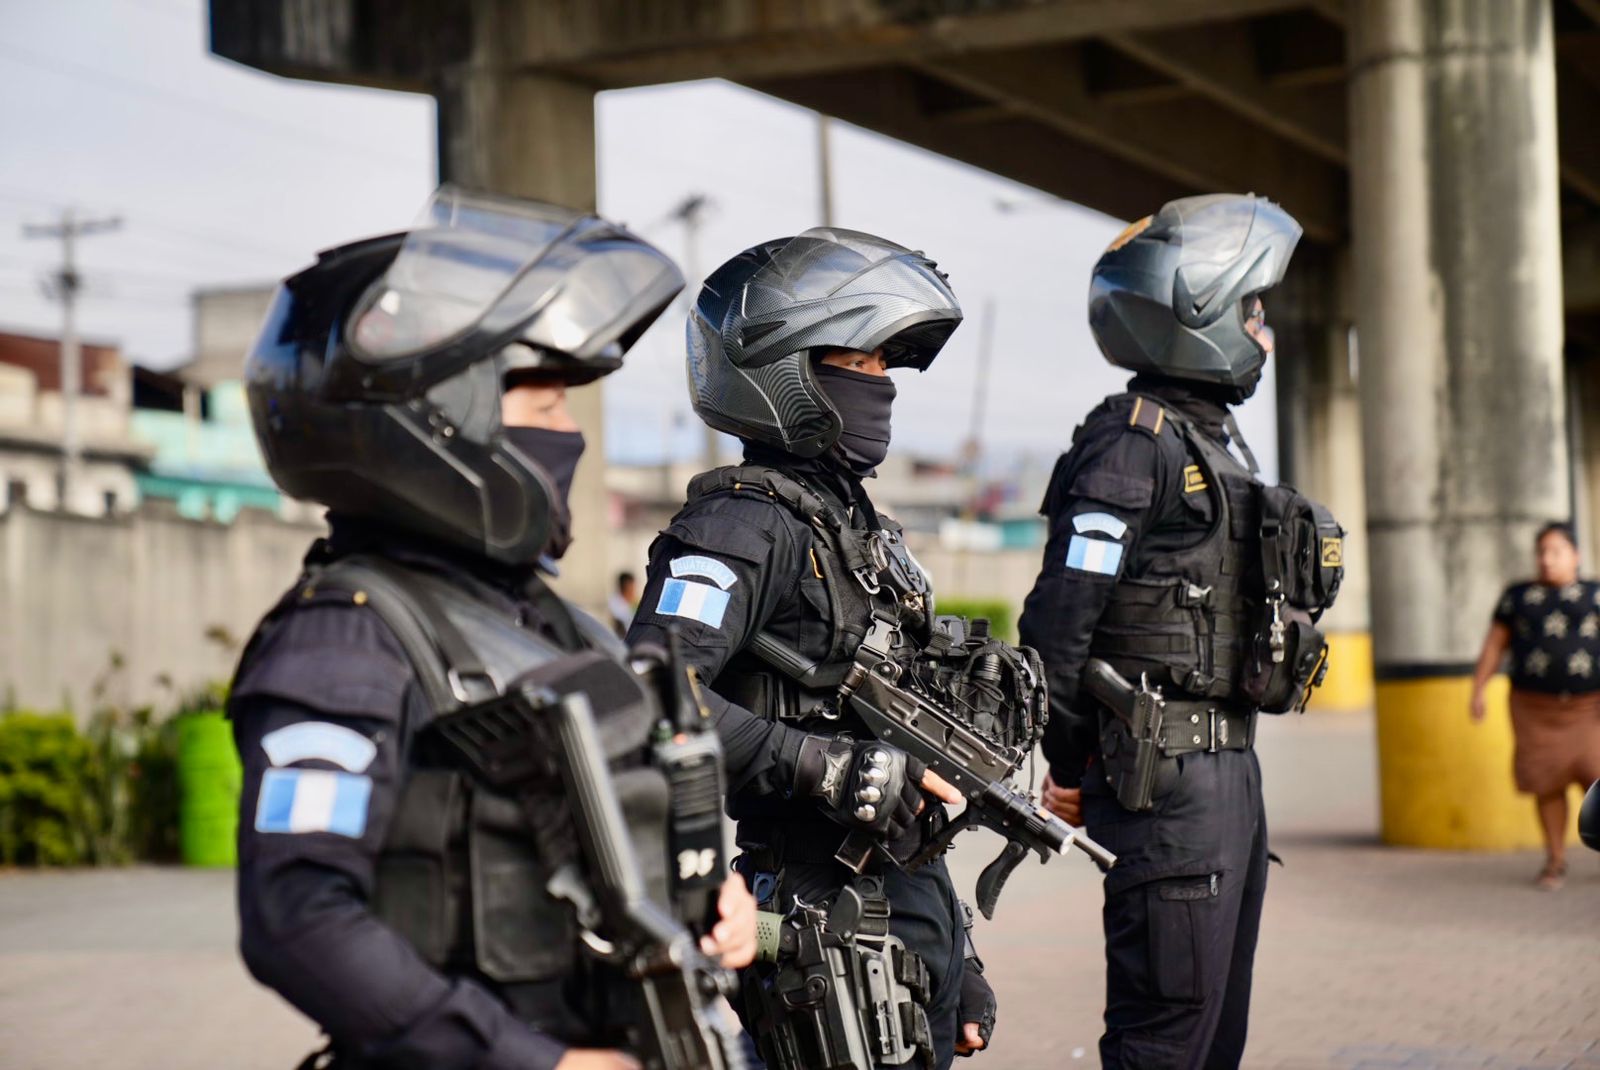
{"x": 209, "y": 778}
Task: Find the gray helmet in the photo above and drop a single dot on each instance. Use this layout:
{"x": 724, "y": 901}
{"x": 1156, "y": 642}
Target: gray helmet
{"x": 761, "y": 314}
{"x": 376, "y": 381}
{"x": 1168, "y": 295}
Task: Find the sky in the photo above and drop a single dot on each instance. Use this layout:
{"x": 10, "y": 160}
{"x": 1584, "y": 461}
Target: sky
{"x": 222, "y": 175}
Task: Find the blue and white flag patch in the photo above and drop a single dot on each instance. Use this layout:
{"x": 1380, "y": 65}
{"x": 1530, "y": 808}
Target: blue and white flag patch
{"x": 696, "y": 601}
{"x": 313, "y": 800}
{"x": 1104, "y": 523}
{"x": 708, "y": 567}
{"x": 320, "y": 741}
{"x": 1099, "y": 556}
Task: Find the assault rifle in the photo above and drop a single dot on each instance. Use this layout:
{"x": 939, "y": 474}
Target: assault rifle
{"x": 535, "y": 735}
{"x": 954, "y": 738}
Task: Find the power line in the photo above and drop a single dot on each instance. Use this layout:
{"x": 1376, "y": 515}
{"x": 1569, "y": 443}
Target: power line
{"x": 202, "y": 235}
{"x": 67, "y": 69}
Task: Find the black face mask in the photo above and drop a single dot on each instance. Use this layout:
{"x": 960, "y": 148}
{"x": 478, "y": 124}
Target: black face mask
{"x": 557, "y": 452}
{"x": 863, "y": 402}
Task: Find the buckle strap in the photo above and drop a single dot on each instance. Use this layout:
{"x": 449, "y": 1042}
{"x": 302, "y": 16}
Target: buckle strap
{"x": 1197, "y": 726}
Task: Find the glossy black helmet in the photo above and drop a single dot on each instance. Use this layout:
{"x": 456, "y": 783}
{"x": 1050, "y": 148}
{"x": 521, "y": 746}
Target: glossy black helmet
{"x": 1169, "y": 295}
{"x": 375, "y": 383}
{"x": 760, "y": 316}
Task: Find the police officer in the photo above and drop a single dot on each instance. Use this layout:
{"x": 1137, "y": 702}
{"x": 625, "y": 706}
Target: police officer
{"x": 1153, "y": 564}
{"x": 769, "y": 574}
{"x": 415, "y": 384}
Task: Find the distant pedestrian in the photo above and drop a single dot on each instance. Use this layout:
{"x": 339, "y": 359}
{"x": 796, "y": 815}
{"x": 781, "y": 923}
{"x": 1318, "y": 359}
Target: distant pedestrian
{"x": 624, "y": 601}
{"x": 1552, "y": 628}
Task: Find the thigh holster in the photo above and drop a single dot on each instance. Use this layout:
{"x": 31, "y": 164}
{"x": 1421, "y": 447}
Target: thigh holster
{"x": 834, "y": 990}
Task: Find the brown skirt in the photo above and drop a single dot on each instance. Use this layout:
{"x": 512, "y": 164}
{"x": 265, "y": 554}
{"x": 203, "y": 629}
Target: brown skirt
{"x": 1557, "y": 739}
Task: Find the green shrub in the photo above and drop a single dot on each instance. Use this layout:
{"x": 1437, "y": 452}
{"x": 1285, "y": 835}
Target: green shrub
{"x": 45, "y": 764}
{"x": 106, "y": 794}
{"x": 1001, "y": 617}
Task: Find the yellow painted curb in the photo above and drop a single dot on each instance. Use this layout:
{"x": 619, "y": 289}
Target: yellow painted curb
{"x": 1445, "y": 781}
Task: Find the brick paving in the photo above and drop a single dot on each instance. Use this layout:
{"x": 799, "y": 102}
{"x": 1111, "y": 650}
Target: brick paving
{"x": 1370, "y": 957}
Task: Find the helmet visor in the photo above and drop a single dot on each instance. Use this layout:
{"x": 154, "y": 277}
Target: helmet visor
{"x": 497, "y": 268}
{"x": 847, "y": 290}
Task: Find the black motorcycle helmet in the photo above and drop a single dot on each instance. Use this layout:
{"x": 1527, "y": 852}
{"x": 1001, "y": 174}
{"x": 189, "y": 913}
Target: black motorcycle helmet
{"x": 760, "y": 315}
{"x": 375, "y": 383}
{"x": 1169, "y": 296}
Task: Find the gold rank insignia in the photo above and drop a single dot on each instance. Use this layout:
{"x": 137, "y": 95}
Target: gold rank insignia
{"x": 1147, "y": 415}
{"x": 1333, "y": 552}
{"x": 1193, "y": 479}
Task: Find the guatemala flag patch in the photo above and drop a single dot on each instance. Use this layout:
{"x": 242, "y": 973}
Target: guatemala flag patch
{"x": 1099, "y": 556}
{"x": 696, "y": 601}
{"x": 313, "y": 800}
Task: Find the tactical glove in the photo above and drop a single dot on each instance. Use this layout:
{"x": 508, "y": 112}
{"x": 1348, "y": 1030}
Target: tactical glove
{"x": 977, "y": 1002}
{"x": 869, "y": 785}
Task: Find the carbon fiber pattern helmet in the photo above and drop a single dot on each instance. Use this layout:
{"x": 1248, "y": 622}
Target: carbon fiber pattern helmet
{"x": 375, "y": 383}
{"x": 760, "y": 315}
{"x": 1168, "y": 295}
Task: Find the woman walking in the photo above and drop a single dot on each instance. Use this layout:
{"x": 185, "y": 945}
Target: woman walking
{"x": 1552, "y": 628}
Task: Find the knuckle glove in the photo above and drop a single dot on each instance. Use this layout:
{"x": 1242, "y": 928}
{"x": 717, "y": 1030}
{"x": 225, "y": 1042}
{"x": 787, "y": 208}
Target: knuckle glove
{"x": 869, "y": 786}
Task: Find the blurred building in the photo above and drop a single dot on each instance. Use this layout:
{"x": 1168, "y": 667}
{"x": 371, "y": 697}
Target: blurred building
{"x": 197, "y": 422}
{"x": 174, "y": 541}
{"x": 31, "y": 427}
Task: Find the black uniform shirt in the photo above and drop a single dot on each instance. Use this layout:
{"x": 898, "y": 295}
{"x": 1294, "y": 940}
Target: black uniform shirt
{"x": 320, "y": 706}
{"x": 726, "y": 568}
{"x": 1555, "y": 636}
{"x": 1118, "y": 499}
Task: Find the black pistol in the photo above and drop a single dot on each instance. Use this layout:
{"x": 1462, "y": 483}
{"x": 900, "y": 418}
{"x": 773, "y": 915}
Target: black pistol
{"x": 1130, "y": 741}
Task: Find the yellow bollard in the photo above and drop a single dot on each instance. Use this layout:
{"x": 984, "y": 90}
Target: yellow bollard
{"x": 1445, "y": 780}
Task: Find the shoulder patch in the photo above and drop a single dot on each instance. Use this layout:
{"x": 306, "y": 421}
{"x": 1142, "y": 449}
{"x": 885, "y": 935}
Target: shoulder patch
{"x": 695, "y": 601}
{"x": 319, "y": 741}
{"x": 313, "y": 800}
{"x": 708, "y": 567}
{"x": 1147, "y": 415}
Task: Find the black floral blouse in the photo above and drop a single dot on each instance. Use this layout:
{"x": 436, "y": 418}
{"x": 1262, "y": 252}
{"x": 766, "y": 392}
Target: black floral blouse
{"x": 1555, "y": 636}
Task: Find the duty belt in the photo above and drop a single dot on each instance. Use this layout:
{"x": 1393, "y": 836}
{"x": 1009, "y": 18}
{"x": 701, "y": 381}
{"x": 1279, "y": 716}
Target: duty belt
{"x": 1204, "y": 726}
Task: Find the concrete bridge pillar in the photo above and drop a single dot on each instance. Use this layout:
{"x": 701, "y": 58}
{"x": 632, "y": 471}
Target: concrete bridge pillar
{"x": 505, "y": 130}
{"x": 1319, "y": 448}
{"x": 1457, "y": 287}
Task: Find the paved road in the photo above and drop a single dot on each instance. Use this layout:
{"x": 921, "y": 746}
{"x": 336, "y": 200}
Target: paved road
{"x": 1370, "y": 957}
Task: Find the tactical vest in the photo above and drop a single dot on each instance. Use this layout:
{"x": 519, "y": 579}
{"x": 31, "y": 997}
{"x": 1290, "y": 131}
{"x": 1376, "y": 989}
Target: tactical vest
{"x": 1232, "y": 617}
{"x": 459, "y": 875}
{"x": 1188, "y": 617}
{"x": 869, "y": 574}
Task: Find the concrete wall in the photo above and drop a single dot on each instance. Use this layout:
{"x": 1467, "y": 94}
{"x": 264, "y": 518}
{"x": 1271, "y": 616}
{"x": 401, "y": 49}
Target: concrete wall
{"x": 147, "y": 587}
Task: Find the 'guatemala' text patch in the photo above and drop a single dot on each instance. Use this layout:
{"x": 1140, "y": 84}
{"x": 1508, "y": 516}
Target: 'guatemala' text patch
{"x": 709, "y": 567}
{"x": 696, "y": 601}
{"x": 313, "y": 800}
{"x": 321, "y": 741}
{"x": 1099, "y": 556}
{"x": 1101, "y": 522}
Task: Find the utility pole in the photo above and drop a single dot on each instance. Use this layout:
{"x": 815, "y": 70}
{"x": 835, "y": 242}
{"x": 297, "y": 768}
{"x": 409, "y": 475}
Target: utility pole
{"x": 65, "y": 284}
{"x": 980, "y": 389}
{"x": 691, "y": 213}
{"x": 825, "y": 168}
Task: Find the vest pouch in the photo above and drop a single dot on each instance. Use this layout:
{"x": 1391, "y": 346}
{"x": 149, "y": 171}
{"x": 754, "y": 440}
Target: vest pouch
{"x": 1302, "y": 548}
{"x": 418, "y": 884}
{"x": 1163, "y": 627}
{"x": 519, "y": 932}
{"x": 1285, "y": 686}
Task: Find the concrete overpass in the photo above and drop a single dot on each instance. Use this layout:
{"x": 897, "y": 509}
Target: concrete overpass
{"x": 1441, "y": 154}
